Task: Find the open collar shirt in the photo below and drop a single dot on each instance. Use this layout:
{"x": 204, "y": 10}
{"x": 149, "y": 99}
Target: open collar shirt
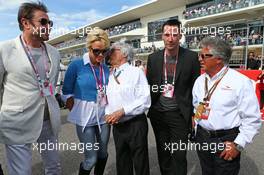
{"x": 129, "y": 90}
{"x": 232, "y": 104}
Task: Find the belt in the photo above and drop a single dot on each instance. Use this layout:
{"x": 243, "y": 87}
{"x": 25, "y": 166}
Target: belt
{"x": 219, "y": 133}
{"x": 135, "y": 118}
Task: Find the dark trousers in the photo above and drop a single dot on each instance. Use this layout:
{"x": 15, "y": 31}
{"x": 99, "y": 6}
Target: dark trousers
{"x": 210, "y": 161}
{"x": 132, "y": 146}
{"x": 1, "y": 171}
{"x": 170, "y": 128}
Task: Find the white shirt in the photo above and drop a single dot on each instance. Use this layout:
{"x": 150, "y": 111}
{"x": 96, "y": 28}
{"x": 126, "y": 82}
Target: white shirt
{"x": 60, "y": 78}
{"x": 132, "y": 94}
{"x": 233, "y": 104}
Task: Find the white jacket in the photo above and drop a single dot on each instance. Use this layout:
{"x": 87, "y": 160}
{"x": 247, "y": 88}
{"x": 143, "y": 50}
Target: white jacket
{"x": 22, "y": 107}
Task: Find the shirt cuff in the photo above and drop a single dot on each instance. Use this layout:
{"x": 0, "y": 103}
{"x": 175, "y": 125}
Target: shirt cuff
{"x": 127, "y": 110}
{"x": 240, "y": 141}
{"x": 65, "y": 97}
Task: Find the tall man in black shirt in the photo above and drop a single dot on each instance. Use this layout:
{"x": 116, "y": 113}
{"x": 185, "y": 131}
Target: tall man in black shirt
{"x": 171, "y": 73}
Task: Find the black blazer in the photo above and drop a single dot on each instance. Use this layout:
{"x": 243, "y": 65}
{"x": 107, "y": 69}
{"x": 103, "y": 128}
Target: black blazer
{"x": 187, "y": 70}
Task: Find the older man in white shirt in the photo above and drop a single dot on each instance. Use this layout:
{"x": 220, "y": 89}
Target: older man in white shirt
{"x": 128, "y": 98}
{"x": 227, "y": 110}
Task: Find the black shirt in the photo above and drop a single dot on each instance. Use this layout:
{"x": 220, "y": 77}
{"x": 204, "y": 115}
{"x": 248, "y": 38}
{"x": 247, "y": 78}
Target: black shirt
{"x": 165, "y": 103}
{"x": 253, "y": 64}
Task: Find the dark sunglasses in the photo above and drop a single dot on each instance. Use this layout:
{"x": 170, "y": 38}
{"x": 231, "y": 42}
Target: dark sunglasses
{"x": 97, "y": 52}
{"x": 44, "y": 21}
{"x": 204, "y": 56}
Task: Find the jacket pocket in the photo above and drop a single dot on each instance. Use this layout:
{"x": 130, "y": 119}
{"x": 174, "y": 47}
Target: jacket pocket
{"x": 12, "y": 108}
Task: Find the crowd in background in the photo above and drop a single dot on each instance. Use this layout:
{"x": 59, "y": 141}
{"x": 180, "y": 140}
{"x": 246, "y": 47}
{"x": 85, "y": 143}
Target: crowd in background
{"x": 119, "y": 29}
{"x": 235, "y": 38}
{"x": 215, "y": 7}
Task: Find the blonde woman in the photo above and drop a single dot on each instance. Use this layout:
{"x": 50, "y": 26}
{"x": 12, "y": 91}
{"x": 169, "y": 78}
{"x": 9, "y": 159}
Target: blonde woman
{"x": 84, "y": 88}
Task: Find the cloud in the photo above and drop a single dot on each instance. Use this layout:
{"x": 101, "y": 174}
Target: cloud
{"x": 13, "y": 23}
{"x": 125, "y": 7}
{"x": 77, "y": 18}
{"x": 66, "y": 22}
{"x": 10, "y": 5}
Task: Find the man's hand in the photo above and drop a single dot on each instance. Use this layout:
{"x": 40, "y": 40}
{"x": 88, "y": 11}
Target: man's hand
{"x": 230, "y": 152}
{"x": 115, "y": 116}
{"x": 70, "y": 103}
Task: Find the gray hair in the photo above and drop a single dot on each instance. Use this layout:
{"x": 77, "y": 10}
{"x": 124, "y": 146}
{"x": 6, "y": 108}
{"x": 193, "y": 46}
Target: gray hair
{"x": 218, "y": 47}
{"x": 125, "y": 48}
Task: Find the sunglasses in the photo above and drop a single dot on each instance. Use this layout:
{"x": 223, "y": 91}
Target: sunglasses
{"x": 97, "y": 52}
{"x": 44, "y": 21}
{"x": 204, "y": 56}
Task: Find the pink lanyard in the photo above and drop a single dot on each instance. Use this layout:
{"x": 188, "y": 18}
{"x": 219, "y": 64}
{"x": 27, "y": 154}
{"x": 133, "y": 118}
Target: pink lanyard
{"x": 99, "y": 82}
{"x": 33, "y": 64}
{"x": 165, "y": 70}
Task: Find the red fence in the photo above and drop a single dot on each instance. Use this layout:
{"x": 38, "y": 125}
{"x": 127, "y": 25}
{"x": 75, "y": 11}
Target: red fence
{"x": 258, "y": 77}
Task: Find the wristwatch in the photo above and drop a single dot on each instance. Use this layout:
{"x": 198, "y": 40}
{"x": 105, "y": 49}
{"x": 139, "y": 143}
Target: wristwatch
{"x": 239, "y": 147}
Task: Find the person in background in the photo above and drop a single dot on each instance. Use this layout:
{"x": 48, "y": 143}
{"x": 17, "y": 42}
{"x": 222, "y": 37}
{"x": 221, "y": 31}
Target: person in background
{"x": 260, "y": 61}
{"x": 84, "y": 88}
{"x": 129, "y": 97}
{"x": 227, "y": 110}
{"x": 29, "y": 111}
{"x": 252, "y": 62}
{"x": 171, "y": 73}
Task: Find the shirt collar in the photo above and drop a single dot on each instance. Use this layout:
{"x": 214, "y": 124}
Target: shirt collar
{"x": 122, "y": 67}
{"x": 216, "y": 76}
{"x": 86, "y": 59}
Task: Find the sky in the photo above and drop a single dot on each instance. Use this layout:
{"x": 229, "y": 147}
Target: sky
{"x": 66, "y": 14}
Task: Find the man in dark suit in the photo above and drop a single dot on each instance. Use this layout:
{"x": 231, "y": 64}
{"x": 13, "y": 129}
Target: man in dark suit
{"x": 171, "y": 73}
{"x": 252, "y": 62}
{"x": 1, "y": 171}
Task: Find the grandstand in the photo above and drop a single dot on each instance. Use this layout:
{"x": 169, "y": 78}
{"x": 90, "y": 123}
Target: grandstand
{"x": 240, "y": 22}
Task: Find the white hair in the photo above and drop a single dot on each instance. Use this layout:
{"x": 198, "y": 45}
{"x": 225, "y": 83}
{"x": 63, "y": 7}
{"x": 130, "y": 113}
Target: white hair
{"x": 125, "y": 48}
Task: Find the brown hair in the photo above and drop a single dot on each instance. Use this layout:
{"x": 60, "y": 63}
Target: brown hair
{"x": 27, "y": 9}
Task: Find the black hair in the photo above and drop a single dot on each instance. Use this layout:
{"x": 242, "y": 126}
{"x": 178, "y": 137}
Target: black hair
{"x": 172, "y": 22}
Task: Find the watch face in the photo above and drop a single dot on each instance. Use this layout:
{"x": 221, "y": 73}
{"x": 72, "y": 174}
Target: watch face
{"x": 239, "y": 148}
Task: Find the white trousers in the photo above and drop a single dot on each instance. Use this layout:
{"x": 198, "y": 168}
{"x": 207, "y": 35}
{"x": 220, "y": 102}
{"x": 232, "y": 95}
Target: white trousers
{"x": 19, "y": 157}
